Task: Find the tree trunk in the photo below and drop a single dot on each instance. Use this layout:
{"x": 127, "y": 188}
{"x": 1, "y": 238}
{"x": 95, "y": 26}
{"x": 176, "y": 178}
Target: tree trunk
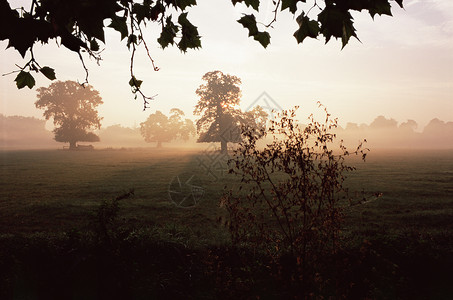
{"x": 159, "y": 144}
{"x": 223, "y": 146}
{"x": 72, "y": 145}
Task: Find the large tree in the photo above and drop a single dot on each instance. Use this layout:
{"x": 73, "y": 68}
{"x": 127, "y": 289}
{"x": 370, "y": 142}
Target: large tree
{"x": 73, "y": 110}
{"x": 80, "y": 25}
{"x": 160, "y": 128}
{"x": 221, "y": 119}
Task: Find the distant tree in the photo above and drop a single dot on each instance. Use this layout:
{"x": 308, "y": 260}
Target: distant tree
{"x": 383, "y": 123}
{"x": 434, "y": 125}
{"x": 218, "y": 107}
{"x": 73, "y": 109}
{"x": 255, "y": 120}
{"x": 180, "y": 128}
{"x": 160, "y": 128}
{"x": 438, "y": 134}
{"x": 117, "y": 135}
{"x": 408, "y": 126}
{"x": 352, "y": 126}
{"x": 440, "y": 129}
{"x": 221, "y": 118}
{"x": 24, "y": 132}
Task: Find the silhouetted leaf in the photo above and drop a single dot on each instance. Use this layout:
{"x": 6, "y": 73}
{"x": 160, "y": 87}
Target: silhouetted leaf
{"x": 48, "y": 72}
{"x": 291, "y": 4}
{"x": 94, "y": 45}
{"x": 156, "y": 10}
{"x": 190, "y": 37}
{"x": 307, "y": 28}
{"x": 400, "y": 3}
{"x": 141, "y": 11}
{"x": 249, "y": 22}
{"x": 71, "y": 42}
{"x": 24, "y": 79}
{"x": 380, "y": 7}
{"x": 264, "y": 38}
{"x": 92, "y": 27}
{"x": 120, "y": 25}
{"x": 20, "y": 44}
{"x": 253, "y": 3}
{"x": 132, "y": 39}
{"x": 336, "y": 22}
{"x": 168, "y": 33}
{"x": 182, "y": 4}
{"x": 134, "y": 82}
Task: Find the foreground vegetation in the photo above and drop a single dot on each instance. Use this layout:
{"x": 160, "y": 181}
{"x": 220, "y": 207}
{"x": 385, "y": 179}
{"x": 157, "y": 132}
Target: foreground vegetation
{"x": 63, "y": 234}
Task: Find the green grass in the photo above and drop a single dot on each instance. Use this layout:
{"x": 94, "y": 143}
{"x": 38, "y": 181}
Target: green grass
{"x": 46, "y": 196}
{"x": 60, "y": 190}
{"x": 54, "y": 190}
{"x": 417, "y": 192}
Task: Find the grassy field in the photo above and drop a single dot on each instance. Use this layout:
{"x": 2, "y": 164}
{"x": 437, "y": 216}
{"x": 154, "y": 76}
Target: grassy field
{"x": 48, "y": 192}
{"x": 56, "y": 190}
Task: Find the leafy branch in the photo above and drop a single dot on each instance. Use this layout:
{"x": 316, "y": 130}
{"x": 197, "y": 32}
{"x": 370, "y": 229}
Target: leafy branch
{"x": 132, "y": 41}
{"x": 79, "y": 26}
{"x": 334, "y": 19}
{"x": 24, "y": 78}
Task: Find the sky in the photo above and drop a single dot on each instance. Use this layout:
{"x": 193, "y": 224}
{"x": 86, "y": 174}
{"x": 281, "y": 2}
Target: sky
{"x": 401, "y": 68}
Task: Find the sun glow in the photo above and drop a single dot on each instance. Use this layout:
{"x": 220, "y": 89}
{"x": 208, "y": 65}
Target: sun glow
{"x": 229, "y": 106}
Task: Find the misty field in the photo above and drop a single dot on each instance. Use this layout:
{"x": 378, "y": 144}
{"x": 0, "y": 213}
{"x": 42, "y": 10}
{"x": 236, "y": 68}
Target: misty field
{"x": 402, "y": 234}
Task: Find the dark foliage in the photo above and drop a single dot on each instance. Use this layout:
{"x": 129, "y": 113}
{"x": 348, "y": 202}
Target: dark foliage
{"x": 80, "y": 26}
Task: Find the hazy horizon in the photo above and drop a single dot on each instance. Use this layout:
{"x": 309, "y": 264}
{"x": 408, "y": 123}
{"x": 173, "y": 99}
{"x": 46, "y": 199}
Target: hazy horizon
{"x": 20, "y": 132}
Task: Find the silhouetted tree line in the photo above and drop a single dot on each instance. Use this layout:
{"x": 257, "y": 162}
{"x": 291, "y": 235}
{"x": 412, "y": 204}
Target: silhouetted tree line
{"x": 19, "y": 131}
{"x": 24, "y": 132}
{"x": 73, "y": 109}
{"x": 387, "y": 133}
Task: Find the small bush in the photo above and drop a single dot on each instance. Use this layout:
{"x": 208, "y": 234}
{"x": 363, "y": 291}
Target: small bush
{"x": 106, "y": 223}
{"x": 289, "y": 203}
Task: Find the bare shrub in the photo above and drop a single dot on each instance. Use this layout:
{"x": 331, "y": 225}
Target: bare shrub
{"x": 289, "y": 202}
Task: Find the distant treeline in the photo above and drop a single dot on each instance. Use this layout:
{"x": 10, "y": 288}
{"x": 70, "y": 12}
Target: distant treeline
{"x": 119, "y": 136}
{"x": 28, "y": 132}
{"x": 24, "y": 132}
{"x": 387, "y": 133}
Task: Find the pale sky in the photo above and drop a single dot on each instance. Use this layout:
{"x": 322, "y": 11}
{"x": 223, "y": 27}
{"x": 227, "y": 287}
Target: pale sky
{"x": 403, "y": 67}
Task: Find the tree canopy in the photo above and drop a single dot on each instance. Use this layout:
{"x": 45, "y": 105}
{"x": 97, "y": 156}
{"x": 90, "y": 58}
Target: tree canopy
{"x": 80, "y": 26}
{"x": 160, "y": 128}
{"x": 73, "y": 110}
{"x": 221, "y": 118}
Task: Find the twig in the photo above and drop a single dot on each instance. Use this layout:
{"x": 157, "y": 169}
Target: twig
{"x": 275, "y": 15}
{"x": 314, "y": 5}
{"x": 136, "y": 87}
{"x": 86, "y": 70}
{"x": 155, "y": 68}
